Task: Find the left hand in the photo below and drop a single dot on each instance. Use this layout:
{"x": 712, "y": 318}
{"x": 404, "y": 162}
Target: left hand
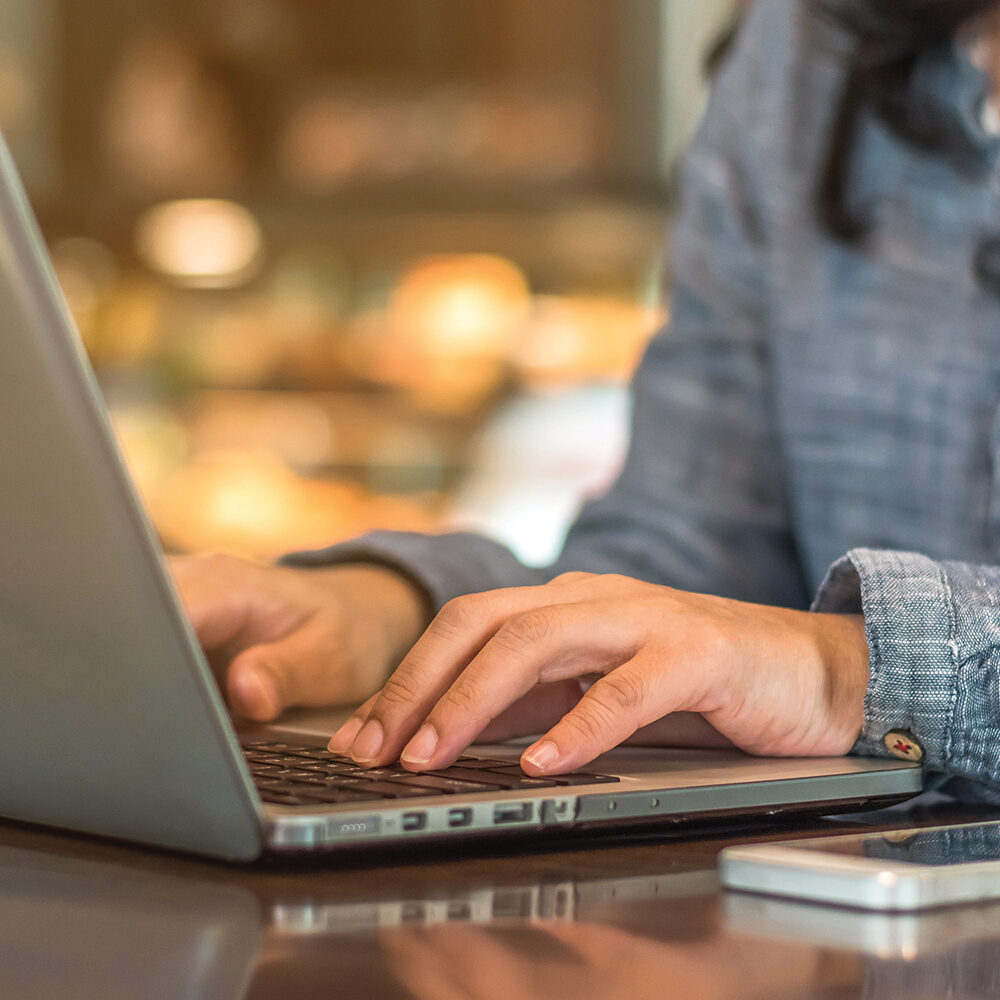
{"x": 772, "y": 681}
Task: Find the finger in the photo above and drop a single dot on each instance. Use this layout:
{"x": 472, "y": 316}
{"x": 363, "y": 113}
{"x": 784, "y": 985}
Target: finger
{"x": 541, "y": 708}
{"x": 451, "y": 641}
{"x": 536, "y": 646}
{"x": 342, "y": 739}
{"x": 613, "y": 709}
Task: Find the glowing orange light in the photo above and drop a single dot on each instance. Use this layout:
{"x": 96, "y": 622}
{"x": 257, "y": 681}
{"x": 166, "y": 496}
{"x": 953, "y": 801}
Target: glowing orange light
{"x": 201, "y": 242}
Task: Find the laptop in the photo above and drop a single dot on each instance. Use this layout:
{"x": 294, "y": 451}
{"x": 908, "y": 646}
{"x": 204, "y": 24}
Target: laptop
{"x": 111, "y": 722}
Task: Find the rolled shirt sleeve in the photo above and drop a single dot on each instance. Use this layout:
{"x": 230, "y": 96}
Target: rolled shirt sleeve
{"x": 933, "y": 632}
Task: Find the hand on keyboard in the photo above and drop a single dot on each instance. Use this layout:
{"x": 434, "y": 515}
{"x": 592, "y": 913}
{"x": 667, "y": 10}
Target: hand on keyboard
{"x": 279, "y": 637}
{"x": 771, "y": 680}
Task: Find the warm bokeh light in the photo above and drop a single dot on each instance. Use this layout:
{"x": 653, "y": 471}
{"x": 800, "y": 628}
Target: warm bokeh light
{"x": 249, "y": 501}
{"x": 570, "y": 340}
{"x": 201, "y": 242}
{"x": 17, "y": 97}
{"x": 464, "y": 303}
{"x": 88, "y": 274}
{"x": 154, "y": 443}
{"x": 295, "y": 429}
{"x": 128, "y": 330}
{"x": 451, "y": 323}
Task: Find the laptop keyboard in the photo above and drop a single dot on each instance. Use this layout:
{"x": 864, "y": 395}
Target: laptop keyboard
{"x": 291, "y": 775}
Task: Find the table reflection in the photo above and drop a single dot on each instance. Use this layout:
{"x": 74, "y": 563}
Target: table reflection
{"x": 547, "y": 926}
{"x": 592, "y": 960}
{"x": 82, "y": 929}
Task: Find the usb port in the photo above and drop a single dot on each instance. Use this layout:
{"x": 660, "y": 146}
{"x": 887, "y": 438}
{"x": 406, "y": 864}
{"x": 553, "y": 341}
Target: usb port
{"x": 512, "y": 814}
{"x": 459, "y": 817}
{"x": 414, "y": 821}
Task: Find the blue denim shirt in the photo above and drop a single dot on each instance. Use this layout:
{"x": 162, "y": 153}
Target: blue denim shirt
{"x": 818, "y": 426}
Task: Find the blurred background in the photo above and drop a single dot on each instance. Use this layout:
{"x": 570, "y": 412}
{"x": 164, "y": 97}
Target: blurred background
{"x": 345, "y": 265}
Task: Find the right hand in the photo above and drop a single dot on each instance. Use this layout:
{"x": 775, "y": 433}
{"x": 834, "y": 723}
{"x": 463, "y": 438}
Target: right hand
{"x": 279, "y": 636}
{"x": 558, "y": 960}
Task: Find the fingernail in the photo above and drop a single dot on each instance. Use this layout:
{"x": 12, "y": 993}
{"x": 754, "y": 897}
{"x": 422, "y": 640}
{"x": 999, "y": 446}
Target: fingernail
{"x": 368, "y": 742}
{"x": 254, "y": 694}
{"x": 342, "y": 739}
{"x": 421, "y": 748}
{"x": 541, "y": 755}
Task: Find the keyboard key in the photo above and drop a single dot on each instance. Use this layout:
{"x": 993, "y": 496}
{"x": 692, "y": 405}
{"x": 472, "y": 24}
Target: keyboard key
{"x": 452, "y": 786}
{"x": 501, "y": 768}
{"x": 291, "y": 760}
{"x": 332, "y": 796}
{"x": 495, "y": 778}
{"x": 573, "y": 778}
{"x": 308, "y": 779}
{"x": 396, "y": 790}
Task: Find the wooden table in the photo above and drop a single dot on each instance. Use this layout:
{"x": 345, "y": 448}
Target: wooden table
{"x": 624, "y": 918}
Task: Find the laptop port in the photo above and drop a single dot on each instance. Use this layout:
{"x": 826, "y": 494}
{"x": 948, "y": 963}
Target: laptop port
{"x": 518, "y": 813}
{"x": 459, "y": 817}
{"x": 414, "y": 821}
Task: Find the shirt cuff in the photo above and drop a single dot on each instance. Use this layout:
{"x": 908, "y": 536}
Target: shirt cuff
{"x": 910, "y": 625}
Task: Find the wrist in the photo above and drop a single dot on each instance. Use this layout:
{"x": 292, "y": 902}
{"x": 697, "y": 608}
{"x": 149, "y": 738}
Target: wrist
{"x": 846, "y": 658}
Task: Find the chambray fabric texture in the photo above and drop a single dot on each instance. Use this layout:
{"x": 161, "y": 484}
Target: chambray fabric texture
{"x": 819, "y": 423}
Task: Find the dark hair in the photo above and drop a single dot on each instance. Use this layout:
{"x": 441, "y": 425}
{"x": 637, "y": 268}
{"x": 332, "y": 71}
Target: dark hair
{"x": 889, "y": 37}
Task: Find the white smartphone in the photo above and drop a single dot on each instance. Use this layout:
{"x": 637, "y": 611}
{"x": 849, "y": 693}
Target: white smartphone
{"x": 910, "y": 869}
{"x": 882, "y": 934}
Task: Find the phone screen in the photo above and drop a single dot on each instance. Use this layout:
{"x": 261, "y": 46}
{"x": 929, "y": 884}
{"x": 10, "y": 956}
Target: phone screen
{"x": 955, "y": 845}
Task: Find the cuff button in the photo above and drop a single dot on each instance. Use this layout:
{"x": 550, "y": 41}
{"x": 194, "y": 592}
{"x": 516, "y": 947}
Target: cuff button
{"x": 903, "y": 744}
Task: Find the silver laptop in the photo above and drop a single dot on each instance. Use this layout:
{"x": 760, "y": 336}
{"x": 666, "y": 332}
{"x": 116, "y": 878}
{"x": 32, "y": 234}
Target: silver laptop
{"x": 111, "y": 723}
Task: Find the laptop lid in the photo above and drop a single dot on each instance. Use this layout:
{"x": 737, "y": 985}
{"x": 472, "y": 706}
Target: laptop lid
{"x": 110, "y": 721}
